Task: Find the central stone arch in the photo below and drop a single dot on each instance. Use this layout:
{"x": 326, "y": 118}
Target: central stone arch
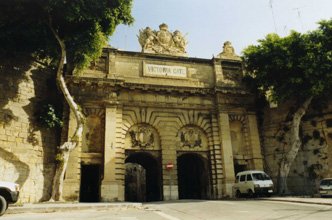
{"x": 143, "y": 171}
{"x": 193, "y": 176}
{"x": 193, "y": 164}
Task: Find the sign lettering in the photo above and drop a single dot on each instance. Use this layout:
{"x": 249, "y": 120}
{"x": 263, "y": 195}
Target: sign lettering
{"x": 162, "y": 70}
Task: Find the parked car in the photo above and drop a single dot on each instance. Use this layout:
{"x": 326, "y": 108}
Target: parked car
{"x": 325, "y": 187}
{"x": 9, "y": 193}
{"x": 252, "y": 183}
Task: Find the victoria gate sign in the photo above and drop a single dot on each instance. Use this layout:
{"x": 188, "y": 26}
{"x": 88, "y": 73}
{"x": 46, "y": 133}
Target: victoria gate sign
{"x": 163, "y": 70}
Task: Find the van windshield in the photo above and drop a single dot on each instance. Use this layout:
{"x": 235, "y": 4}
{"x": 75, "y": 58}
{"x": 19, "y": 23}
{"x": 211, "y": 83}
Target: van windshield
{"x": 260, "y": 176}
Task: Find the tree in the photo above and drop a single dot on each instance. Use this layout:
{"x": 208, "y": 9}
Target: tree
{"x": 296, "y": 67}
{"x": 53, "y": 31}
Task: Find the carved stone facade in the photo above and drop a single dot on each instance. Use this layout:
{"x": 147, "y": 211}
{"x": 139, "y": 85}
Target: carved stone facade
{"x": 188, "y": 123}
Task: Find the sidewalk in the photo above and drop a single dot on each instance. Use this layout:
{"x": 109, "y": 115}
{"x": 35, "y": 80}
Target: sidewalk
{"x": 68, "y": 206}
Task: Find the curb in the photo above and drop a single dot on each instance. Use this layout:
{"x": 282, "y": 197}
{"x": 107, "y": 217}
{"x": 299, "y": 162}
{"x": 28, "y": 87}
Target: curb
{"x": 299, "y": 201}
{"x": 56, "y": 207}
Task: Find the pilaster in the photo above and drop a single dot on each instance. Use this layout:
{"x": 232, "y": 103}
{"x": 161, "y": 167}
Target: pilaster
{"x": 257, "y": 159}
{"x": 72, "y": 181}
{"x": 112, "y": 187}
{"x": 219, "y": 77}
{"x": 227, "y": 154}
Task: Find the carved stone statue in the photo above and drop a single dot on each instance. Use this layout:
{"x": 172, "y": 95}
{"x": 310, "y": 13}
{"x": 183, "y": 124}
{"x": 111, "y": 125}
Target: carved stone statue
{"x": 162, "y": 41}
{"x": 228, "y": 52}
{"x": 179, "y": 41}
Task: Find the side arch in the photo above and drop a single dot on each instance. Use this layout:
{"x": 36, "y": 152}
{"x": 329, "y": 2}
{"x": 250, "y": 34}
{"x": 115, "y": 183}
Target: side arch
{"x": 143, "y": 177}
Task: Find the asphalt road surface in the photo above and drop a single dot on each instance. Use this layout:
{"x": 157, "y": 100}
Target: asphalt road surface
{"x": 193, "y": 210}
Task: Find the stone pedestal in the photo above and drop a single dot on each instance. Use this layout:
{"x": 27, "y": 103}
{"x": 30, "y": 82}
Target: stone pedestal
{"x": 171, "y": 193}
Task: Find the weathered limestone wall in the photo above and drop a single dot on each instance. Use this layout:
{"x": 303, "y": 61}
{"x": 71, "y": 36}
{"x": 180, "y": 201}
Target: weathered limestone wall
{"x": 26, "y": 150}
{"x": 312, "y": 162}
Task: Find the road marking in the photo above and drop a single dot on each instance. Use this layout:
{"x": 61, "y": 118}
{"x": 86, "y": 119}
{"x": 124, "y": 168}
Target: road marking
{"x": 166, "y": 216}
{"x": 224, "y": 202}
{"x": 128, "y": 218}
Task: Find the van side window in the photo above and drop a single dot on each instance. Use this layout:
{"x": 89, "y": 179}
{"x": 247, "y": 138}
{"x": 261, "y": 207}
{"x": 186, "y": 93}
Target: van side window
{"x": 249, "y": 178}
{"x": 242, "y": 178}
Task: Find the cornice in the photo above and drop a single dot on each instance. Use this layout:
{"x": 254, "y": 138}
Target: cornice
{"x": 118, "y": 84}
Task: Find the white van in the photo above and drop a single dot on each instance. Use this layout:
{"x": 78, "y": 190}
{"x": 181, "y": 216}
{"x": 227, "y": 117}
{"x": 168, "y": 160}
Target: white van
{"x": 251, "y": 183}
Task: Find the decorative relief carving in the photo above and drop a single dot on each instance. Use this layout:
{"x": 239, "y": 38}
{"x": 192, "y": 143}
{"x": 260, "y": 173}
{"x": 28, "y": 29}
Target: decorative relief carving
{"x": 162, "y": 41}
{"x": 191, "y": 137}
{"x": 93, "y": 134}
{"x": 142, "y": 136}
{"x": 240, "y": 134}
{"x": 241, "y": 118}
{"x": 233, "y": 75}
{"x": 94, "y": 129}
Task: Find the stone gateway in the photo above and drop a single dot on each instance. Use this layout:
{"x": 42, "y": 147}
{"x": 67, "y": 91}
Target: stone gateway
{"x": 159, "y": 126}
{"x": 147, "y": 110}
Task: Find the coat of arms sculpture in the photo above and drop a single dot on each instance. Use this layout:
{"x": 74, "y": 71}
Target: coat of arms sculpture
{"x": 142, "y": 137}
{"x": 191, "y": 137}
{"x": 162, "y": 41}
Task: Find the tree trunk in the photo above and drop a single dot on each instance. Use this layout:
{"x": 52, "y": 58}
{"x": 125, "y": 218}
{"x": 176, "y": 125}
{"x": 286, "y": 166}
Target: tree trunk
{"x": 293, "y": 143}
{"x": 65, "y": 149}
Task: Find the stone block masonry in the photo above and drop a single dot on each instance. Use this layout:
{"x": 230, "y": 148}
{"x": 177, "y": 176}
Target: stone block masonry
{"x": 26, "y": 151}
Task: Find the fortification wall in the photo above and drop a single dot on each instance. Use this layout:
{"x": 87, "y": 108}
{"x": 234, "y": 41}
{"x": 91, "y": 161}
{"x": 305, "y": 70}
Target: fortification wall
{"x": 27, "y": 151}
{"x": 312, "y": 161}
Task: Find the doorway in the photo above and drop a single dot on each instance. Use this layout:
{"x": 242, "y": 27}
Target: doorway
{"x": 90, "y": 183}
{"x": 193, "y": 176}
{"x": 239, "y": 167}
{"x": 143, "y": 181}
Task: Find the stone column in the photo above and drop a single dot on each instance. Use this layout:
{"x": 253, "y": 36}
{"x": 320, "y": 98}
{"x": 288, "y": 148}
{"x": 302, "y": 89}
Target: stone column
{"x": 227, "y": 154}
{"x": 112, "y": 188}
{"x": 257, "y": 159}
{"x": 72, "y": 181}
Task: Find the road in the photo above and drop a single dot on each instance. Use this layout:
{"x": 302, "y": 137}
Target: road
{"x": 193, "y": 210}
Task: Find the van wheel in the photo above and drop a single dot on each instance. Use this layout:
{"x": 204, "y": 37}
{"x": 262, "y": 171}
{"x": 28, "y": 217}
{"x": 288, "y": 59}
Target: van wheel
{"x": 3, "y": 205}
{"x": 250, "y": 193}
{"x": 238, "y": 194}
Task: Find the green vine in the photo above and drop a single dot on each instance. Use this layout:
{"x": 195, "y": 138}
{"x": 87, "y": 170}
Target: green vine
{"x": 49, "y": 117}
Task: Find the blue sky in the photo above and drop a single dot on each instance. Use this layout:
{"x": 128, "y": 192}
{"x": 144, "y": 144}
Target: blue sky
{"x": 208, "y": 24}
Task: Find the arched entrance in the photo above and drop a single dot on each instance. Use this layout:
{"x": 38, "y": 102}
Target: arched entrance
{"x": 193, "y": 176}
{"x": 143, "y": 178}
